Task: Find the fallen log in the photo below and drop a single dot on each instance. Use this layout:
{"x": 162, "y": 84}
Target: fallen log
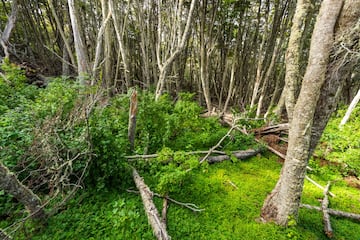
{"x": 333, "y": 212}
{"x": 326, "y": 216}
{"x": 152, "y": 213}
{"x": 279, "y": 128}
{"x": 238, "y": 154}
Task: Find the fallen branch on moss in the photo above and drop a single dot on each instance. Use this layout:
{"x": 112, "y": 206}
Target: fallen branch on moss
{"x": 211, "y": 150}
{"x": 190, "y": 206}
{"x": 240, "y": 154}
{"x": 279, "y": 154}
{"x": 333, "y": 212}
{"x": 326, "y": 216}
{"x": 159, "y": 229}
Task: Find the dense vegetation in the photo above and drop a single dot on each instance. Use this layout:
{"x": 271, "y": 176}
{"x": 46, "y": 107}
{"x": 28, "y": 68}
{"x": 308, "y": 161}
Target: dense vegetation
{"x": 41, "y": 129}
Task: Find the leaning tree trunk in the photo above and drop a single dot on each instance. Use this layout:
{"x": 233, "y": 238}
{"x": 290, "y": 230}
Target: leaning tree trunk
{"x": 283, "y": 203}
{"x": 342, "y": 63}
{"x": 11, "y": 185}
{"x": 4, "y": 37}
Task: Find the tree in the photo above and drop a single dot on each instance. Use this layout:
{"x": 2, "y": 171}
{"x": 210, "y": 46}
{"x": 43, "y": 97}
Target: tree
{"x": 292, "y": 57}
{"x": 283, "y": 202}
{"x": 5, "y": 35}
{"x": 81, "y": 55}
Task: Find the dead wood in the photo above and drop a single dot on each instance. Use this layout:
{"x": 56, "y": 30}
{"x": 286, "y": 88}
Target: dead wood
{"x": 164, "y": 211}
{"x": 11, "y": 185}
{"x": 132, "y": 119}
{"x": 4, "y": 236}
{"x": 326, "y": 216}
{"x": 217, "y": 145}
{"x": 238, "y": 154}
{"x": 279, "y": 128}
{"x": 152, "y": 213}
{"x": 333, "y": 212}
{"x": 190, "y": 206}
{"x": 279, "y": 154}
{"x": 318, "y": 185}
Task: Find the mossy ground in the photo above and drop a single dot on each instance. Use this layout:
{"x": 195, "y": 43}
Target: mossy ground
{"x": 231, "y": 194}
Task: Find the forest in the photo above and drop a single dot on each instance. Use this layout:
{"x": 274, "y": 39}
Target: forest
{"x": 181, "y": 119}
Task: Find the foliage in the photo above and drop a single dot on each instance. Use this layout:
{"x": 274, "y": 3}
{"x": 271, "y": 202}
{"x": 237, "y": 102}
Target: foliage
{"x": 342, "y": 145}
{"x": 13, "y": 88}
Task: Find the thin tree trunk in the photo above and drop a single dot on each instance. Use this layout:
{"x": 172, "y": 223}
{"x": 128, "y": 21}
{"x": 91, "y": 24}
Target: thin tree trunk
{"x": 350, "y": 109}
{"x": 82, "y": 59}
{"x": 4, "y": 37}
{"x": 62, "y": 34}
{"x": 164, "y": 66}
{"x": 292, "y": 57}
{"x": 283, "y": 203}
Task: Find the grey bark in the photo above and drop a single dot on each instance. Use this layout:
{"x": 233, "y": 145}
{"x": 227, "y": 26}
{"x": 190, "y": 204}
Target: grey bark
{"x": 5, "y": 35}
{"x": 284, "y": 201}
{"x": 151, "y": 211}
{"x": 82, "y": 59}
{"x": 11, "y": 185}
{"x": 292, "y": 58}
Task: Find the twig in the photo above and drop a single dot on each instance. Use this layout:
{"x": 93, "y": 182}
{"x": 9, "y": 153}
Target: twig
{"x": 326, "y": 217}
{"x": 190, "y": 206}
{"x": 233, "y": 184}
{"x": 218, "y": 144}
{"x": 318, "y": 185}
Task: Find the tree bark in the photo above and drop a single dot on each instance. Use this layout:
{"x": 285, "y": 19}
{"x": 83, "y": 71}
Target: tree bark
{"x": 11, "y": 185}
{"x": 283, "y": 203}
{"x": 350, "y": 109}
{"x": 150, "y": 208}
{"x": 82, "y": 58}
{"x": 4, "y": 37}
{"x": 292, "y": 57}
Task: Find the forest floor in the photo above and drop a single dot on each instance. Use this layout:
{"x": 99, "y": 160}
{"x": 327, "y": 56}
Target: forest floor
{"x": 231, "y": 193}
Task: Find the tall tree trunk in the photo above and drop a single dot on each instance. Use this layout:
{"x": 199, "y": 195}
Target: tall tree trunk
{"x": 82, "y": 58}
{"x": 183, "y": 37}
{"x": 342, "y": 64}
{"x": 292, "y": 57}
{"x": 11, "y": 185}
{"x": 283, "y": 203}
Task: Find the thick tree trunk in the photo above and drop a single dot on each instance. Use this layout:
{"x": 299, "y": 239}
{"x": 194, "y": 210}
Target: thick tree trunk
{"x": 283, "y": 203}
{"x": 342, "y": 63}
{"x": 11, "y": 185}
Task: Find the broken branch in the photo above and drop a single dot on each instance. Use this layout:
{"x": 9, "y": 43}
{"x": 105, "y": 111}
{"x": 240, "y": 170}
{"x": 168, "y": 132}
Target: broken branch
{"x": 326, "y": 215}
{"x": 152, "y": 213}
{"x": 333, "y": 212}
